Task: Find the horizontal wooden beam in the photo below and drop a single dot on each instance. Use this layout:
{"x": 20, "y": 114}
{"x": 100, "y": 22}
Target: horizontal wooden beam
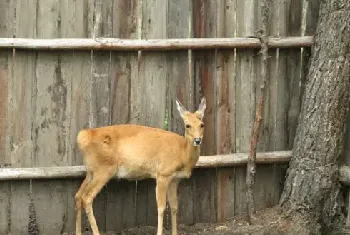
{"x": 79, "y": 171}
{"x": 242, "y": 158}
{"x": 117, "y": 44}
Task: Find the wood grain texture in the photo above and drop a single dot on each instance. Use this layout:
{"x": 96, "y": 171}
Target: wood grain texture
{"x": 142, "y": 202}
{"x": 181, "y": 87}
{"x": 76, "y": 73}
{"x": 62, "y": 172}
{"x": 153, "y": 77}
{"x": 294, "y": 13}
{"x": 171, "y": 44}
{"x": 21, "y": 90}
{"x": 204, "y": 18}
{"x": 272, "y": 131}
{"x": 5, "y": 161}
{"x": 53, "y": 94}
{"x": 6, "y": 30}
{"x": 246, "y": 78}
{"x": 225, "y": 112}
{"x": 50, "y": 110}
{"x": 204, "y": 195}
{"x": 121, "y": 195}
{"x": 321, "y": 122}
{"x": 100, "y": 25}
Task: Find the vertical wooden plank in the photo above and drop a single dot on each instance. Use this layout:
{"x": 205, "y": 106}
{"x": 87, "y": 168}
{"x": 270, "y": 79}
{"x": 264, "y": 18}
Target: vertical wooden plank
{"x": 50, "y": 110}
{"x": 271, "y": 138}
{"x": 141, "y": 202}
{"x": 246, "y": 73}
{"x": 225, "y": 113}
{"x": 50, "y": 126}
{"x": 153, "y": 78}
{"x": 128, "y": 202}
{"x": 181, "y": 87}
{"x": 73, "y": 19}
{"x": 309, "y": 24}
{"x": 5, "y": 213}
{"x": 204, "y": 194}
{"x": 136, "y": 102}
{"x": 293, "y": 15}
{"x": 153, "y": 69}
{"x": 20, "y": 143}
{"x": 100, "y": 25}
{"x": 185, "y": 209}
{"x": 6, "y": 30}
{"x": 20, "y": 110}
{"x": 5, "y": 196}
{"x": 123, "y": 65}
{"x": 20, "y": 86}
{"x": 293, "y": 70}
{"x": 50, "y": 90}
{"x": 114, "y": 212}
{"x": 121, "y": 195}
{"x": 152, "y": 212}
{"x": 21, "y": 89}
{"x": 76, "y": 73}
{"x": 101, "y": 60}
{"x": 204, "y": 18}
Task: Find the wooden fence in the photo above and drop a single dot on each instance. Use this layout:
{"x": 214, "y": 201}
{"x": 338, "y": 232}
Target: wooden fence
{"x": 47, "y": 96}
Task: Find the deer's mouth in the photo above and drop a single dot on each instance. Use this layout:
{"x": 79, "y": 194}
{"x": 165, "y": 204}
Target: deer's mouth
{"x": 197, "y": 141}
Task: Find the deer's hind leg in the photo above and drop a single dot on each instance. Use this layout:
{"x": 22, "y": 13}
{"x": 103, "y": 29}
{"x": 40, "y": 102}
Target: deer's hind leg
{"x": 78, "y": 203}
{"x": 99, "y": 179}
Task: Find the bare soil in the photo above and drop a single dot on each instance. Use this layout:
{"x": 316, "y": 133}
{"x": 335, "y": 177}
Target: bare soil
{"x": 236, "y": 226}
{"x": 267, "y": 222}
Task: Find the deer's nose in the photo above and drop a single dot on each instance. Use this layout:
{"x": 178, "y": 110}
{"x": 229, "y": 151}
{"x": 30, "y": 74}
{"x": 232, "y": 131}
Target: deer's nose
{"x": 197, "y": 141}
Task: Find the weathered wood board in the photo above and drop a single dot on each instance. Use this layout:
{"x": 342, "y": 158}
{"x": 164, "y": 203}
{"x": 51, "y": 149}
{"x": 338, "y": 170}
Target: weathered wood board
{"x": 49, "y": 96}
{"x": 180, "y": 87}
{"x": 225, "y": 112}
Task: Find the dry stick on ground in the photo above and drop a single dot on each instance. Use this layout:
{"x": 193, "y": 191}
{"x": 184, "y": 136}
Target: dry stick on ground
{"x": 251, "y": 166}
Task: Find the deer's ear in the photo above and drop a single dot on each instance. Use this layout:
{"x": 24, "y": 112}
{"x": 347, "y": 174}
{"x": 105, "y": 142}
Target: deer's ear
{"x": 201, "y": 109}
{"x": 182, "y": 110}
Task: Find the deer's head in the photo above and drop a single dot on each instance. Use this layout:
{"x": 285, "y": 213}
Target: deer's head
{"x": 194, "y": 126}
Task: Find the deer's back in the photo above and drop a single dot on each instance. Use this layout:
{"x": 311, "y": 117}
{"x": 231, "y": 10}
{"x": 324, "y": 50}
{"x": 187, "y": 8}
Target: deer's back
{"x": 143, "y": 149}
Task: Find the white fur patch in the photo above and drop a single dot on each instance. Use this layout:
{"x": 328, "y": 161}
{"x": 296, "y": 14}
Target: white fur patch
{"x": 122, "y": 172}
{"x": 181, "y": 174}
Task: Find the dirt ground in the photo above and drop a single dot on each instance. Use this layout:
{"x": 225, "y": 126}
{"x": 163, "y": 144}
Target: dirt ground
{"x": 264, "y": 223}
{"x": 235, "y": 226}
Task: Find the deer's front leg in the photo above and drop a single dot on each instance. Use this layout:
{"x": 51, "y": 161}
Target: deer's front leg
{"x": 173, "y": 201}
{"x": 161, "y": 191}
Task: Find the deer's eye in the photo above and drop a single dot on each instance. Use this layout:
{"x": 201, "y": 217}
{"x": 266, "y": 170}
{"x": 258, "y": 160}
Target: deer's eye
{"x": 188, "y": 126}
{"x": 202, "y": 125}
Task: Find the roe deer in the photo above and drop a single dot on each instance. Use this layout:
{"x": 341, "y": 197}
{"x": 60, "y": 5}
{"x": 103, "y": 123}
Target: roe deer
{"x": 136, "y": 152}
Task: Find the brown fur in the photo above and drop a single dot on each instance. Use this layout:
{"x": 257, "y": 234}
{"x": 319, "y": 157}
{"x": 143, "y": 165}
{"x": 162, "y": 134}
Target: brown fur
{"x": 138, "y": 152}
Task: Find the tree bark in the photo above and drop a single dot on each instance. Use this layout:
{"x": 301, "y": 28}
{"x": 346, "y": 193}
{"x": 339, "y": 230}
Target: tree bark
{"x": 311, "y": 196}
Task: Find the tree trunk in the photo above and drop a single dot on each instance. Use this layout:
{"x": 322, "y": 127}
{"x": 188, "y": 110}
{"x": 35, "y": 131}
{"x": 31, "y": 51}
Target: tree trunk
{"x": 311, "y": 194}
